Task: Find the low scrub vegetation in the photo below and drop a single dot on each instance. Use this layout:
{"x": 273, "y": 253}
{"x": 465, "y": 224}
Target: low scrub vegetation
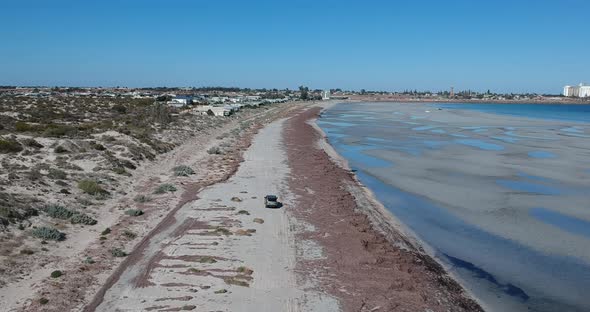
{"x": 10, "y": 146}
{"x": 142, "y": 199}
{"x": 58, "y": 211}
{"x": 129, "y": 234}
{"x": 134, "y": 212}
{"x": 214, "y": 151}
{"x": 80, "y": 218}
{"x": 91, "y": 187}
{"x": 183, "y": 171}
{"x": 61, "y": 212}
{"x": 118, "y": 253}
{"x": 56, "y": 274}
{"x": 48, "y": 233}
{"x": 165, "y": 188}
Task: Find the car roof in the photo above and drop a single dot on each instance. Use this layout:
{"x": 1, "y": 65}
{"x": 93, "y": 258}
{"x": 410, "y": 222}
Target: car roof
{"x": 271, "y": 196}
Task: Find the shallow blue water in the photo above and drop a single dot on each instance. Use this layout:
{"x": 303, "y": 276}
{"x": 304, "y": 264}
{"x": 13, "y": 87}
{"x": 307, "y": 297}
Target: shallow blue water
{"x": 564, "y": 222}
{"x": 507, "y": 269}
{"x": 577, "y": 113}
{"x": 541, "y": 154}
{"x": 480, "y": 144}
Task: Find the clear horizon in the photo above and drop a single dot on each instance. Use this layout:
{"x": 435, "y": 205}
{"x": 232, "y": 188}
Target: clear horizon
{"x": 504, "y": 46}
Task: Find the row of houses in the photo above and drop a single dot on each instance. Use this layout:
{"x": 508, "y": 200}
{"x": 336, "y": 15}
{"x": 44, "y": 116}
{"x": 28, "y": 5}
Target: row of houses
{"x": 219, "y": 106}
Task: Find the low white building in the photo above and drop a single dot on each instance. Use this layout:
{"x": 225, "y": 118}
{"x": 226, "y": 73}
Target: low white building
{"x": 213, "y": 110}
{"x": 581, "y": 90}
{"x": 326, "y": 95}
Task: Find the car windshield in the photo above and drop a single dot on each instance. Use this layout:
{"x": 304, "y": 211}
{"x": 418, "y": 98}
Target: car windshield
{"x": 271, "y": 197}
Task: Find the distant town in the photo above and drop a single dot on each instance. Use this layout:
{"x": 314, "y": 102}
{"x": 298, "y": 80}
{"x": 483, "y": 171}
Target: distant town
{"x": 223, "y": 101}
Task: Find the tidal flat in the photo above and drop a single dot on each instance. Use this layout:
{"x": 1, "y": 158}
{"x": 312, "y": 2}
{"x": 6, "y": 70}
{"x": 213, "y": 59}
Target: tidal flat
{"x": 501, "y": 200}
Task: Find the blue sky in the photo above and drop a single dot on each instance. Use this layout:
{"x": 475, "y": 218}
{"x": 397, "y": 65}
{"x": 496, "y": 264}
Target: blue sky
{"x": 507, "y": 46}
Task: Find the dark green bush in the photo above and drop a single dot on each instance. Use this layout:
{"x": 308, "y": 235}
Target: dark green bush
{"x": 58, "y": 211}
{"x": 56, "y": 274}
{"x": 48, "y": 233}
{"x": 10, "y": 146}
{"x": 142, "y": 199}
{"x": 80, "y": 218}
{"x": 118, "y": 252}
{"x": 91, "y": 187}
{"x": 165, "y": 188}
{"x": 21, "y": 126}
{"x": 129, "y": 234}
{"x": 121, "y": 171}
{"x": 61, "y": 150}
{"x": 134, "y": 212}
{"x": 57, "y": 174}
{"x": 214, "y": 150}
{"x": 97, "y": 146}
{"x": 183, "y": 171}
{"x": 53, "y": 130}
{"x": 106, "y": 231}
{"x": 32, "y": 143}
{"x": 43, "y": 300}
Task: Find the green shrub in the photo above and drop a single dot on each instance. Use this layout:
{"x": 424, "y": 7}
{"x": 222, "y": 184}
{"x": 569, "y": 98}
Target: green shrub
{"x": 97, "y": 146}
{"x": 61, "y": 150}
{"x": 142, "y": 199}
{"x": 118, "y": 252}
{"x": 48, "y": 233}
{"x": 89, "y": 260}
{"x": 91, "y": 187}
{"x": 183, "y": 171}
{"x": 134, "y": 212}
{"x": 59, "y": 130}
{"x": 56, "y": 274}
{"x": 80, "y": 218}
{"x": 129, "y": 234}
{"x": 106, "y": 231}
{"x": 235, "y": 281}
{"x": 32, "y": 143}
{"x": 21, "y": 126}
{"x": 245, "y": 270}
{"x": 10, "y": 146}
{"x": 58, "y": 211}
{"x": 165, "y": 188}
{"x": 207, "y": 259}
{"x": 214, "y": 150}
{"x": 43, "y": 301}
{"x": 120, "y": 170}
{"x": 244, "y": 212}
{"x": 119, "y": 108}
{"x": 26, "y": 252}
{"x": 57, "y": 174}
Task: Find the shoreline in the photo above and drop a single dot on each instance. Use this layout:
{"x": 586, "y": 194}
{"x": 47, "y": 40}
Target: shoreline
{"x": 467, "y": 101}
{"x": 360, "y": 261}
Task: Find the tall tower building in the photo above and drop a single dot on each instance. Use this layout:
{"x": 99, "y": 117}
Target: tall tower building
{"x": 452, "y": 92}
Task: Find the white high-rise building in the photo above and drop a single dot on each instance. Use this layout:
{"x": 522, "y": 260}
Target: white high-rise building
{"x": 581, "y": 90}
{"x": 326, "y": 95}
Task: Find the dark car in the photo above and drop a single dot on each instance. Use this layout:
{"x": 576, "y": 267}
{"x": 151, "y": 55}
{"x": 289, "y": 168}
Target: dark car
{"x": 271, "y": 201}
